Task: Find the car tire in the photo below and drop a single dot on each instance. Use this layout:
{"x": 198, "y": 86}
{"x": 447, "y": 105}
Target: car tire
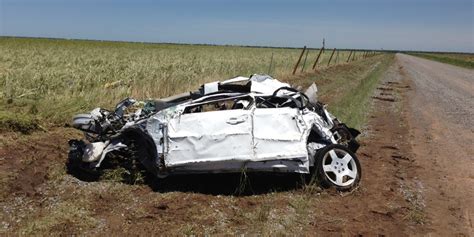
{"x": 337, "y": 166}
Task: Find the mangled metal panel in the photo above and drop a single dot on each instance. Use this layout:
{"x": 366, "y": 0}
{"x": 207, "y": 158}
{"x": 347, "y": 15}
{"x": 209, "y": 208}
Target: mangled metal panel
{"x": 265, "y": 84}
{"x": 278, "y": 134}
{"x": 244, "y": 135}
{"x": 209, "y": 136}
{"x": 322, "y": 127}
{"x": 235, "y": 79}
{"x": 211, "y": 87}
{"x": 312, "y": 93}
{"x": 240, "y": 165}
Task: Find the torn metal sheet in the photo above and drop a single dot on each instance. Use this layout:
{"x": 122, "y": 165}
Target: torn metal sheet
{"x": 93, "y": 151}
{"x": 278, "y": 134}
{"x": 312, "y": 93}
{"x": 265, "y": 84}
{"x": 211, "y": 136}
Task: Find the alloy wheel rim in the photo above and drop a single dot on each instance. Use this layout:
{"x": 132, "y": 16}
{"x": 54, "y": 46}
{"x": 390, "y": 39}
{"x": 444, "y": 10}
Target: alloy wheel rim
{"x": 340, "y": 167}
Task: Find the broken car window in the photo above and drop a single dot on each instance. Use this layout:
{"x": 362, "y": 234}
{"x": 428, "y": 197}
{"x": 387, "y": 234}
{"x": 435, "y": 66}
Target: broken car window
{"x": 220, "y": 104}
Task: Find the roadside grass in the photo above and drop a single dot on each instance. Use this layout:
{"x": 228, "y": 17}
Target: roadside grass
{"x": 120, "y": 174}
{"x": 300, "y": 204}
{"x": 347, "y": 88}
{"x": 462, "y": 60}
{"x": 413, "y": 194}
{"x": 70, "y": 215}
{"x": 354, "y": 106}
{"x": 16, "y": 122}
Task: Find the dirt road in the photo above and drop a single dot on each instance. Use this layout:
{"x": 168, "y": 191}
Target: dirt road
{"x": 441, "y": 110}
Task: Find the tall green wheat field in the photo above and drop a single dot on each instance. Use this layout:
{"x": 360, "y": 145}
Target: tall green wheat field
{"x": 52, "y": 79}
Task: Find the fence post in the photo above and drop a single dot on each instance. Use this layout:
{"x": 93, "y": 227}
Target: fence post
{"x": 353, "y": 56}
{"x": 270, "y": 67}
{"x": 317, "y": 58}
{"x": 348, "y": 58}
{"x": 299, "y": 60}
{"x": 304, "y": 62}
{"x": 332, "y": 54}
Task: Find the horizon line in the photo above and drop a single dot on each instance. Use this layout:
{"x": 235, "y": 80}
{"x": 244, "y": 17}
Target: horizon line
{"x": 232, "y": 45}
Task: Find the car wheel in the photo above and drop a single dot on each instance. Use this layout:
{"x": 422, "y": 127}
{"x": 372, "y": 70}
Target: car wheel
{"x": 337, "y": 166}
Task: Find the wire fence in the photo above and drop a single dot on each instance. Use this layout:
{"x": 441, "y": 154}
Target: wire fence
{"x": 322, "y": 57}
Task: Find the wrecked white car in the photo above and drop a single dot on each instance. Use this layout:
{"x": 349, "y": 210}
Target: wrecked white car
{"x": 241, "y": 124}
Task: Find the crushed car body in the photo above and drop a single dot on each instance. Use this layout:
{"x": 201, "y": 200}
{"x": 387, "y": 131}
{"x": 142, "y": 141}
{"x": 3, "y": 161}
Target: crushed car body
{"x": 254, "y": 123}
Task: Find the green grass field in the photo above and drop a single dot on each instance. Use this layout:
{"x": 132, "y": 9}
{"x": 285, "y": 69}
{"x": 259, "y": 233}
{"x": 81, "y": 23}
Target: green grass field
{"x": 462, "y": 60}
{"x": 50, "y": 80}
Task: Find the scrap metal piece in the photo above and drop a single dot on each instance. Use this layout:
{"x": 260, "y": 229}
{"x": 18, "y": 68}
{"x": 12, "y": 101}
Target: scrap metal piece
{"x": 312, "y": 93}
{"x": 93, "y": 151}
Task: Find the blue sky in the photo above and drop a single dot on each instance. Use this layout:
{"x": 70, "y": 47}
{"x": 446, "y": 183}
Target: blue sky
{"x": 390, "y": 24}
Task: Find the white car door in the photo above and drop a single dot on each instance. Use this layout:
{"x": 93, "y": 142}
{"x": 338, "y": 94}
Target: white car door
{"x": 209, "y": 136}
{"x": 279, "y": 134}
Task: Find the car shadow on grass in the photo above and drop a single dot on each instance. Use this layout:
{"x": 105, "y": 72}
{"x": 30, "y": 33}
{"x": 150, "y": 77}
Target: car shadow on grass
{"x": 229, "y": 184}
{"x": 236, "y": 184}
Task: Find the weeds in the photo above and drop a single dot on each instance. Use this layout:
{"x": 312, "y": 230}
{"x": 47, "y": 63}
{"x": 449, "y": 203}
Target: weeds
{"x": 300, "y": 204}
{"x": 114, "y": 175}
{"x": 56, "y": 172}
{"x": 413, "y": 194}
{"x": 64, "y": 215}
{"x": 121, "y": 174}
{"x": 188, "y": 230}
{"x": 310, "y": 185}
{"x": 244, "y": 182}
{"x": 263, "y": 213}
{"x": 353, "y": 106}
{"x": 14, "y": 122}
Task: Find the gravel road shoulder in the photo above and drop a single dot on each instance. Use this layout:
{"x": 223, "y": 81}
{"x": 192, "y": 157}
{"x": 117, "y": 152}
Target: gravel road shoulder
{"x": 441, "y": 125}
